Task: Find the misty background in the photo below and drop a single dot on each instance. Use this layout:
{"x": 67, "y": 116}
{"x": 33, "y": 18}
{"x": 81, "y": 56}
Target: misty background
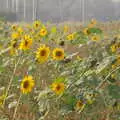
{"x": 59, "y": 10}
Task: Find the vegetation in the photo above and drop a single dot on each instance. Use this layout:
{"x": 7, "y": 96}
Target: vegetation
{"x": 64, "y": 72}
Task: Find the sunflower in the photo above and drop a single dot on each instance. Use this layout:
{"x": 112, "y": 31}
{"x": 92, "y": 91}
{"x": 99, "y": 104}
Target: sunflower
{"x": 113, "y": 48}
{"x": 79, "y": 105}
{"x": 14, "y": 47}
{"x": 95, "y": 38}
{"x": 27, "y": 84}
{"x": 43, "y": 32}
{"x": 114, "y": 66}
{"x": 71, "y": 36}
{"x": 66, "y": 29}
{"x": 15, "y": 35}
{"x": 42, "y": 53}
{"x": 25, "y": 43}
{"x": 20, "y": 30}
{"x": 58, "y": 88}
{"x": 14, "y": 27}
{"x": 86, "y": 31}
{"x": 36, "y": 24}
{"x": 58, "y": 54}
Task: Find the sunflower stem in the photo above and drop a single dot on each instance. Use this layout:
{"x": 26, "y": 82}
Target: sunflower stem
{"x": 9, "y": 85}
{"x": 106, "y": 78}
{"x": 16, "y": 108}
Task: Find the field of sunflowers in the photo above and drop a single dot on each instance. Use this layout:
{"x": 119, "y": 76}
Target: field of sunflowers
{"x": 62, "y": 71}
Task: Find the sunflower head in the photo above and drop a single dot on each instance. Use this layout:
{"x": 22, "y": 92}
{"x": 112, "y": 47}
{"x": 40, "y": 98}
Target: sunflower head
{"x": 14, "y": 27}
{"x": 42, "y": 53}
{"x": 15, "y": 35}
{"x": 14, "y": 44}
{"x": 27, "y": 84}
{"x": 36, "y": 24}
{"x": 58, "y": 88}
{"x": 14, "y": 47}
{"x": 25, "y": 43}
{"x": 113, "y": 48}
{"x": 71, "y": 36}
{"x": 43, "y": 32}
{"x": 20, "y": 30}
{"x": 95, "y": 38}
{"x": 66, "y": 29}
{"x": 58, "y": 54}
{"x": 86, "y": 31}
{"x": 79, "y": 104}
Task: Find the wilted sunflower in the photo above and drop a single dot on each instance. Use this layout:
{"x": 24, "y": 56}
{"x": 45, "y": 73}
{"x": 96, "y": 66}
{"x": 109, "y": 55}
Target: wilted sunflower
{"x": 58, "y": 88}
{"x": 42, "y": 53}
{"x": 27, "y": 84}
{"x": 95, "y": 38}
{"x": 58, "y": 54}
{"x": 43, "y": 32}
{"x": 25, "y": 43}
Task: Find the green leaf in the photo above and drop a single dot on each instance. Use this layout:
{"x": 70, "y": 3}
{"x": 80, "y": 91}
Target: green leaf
{"x": 95, "y": 30}
{"x": 59, "y": 79}
{"x": 114, "y": 91}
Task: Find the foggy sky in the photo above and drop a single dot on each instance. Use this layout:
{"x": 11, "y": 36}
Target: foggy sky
{"x": 61, "y": 10}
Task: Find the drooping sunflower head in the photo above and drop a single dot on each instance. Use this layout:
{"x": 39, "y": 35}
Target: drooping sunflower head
{"x": 43, "y": 32}
{"x": 58, "y": 88}
{"x": 27, "y": 84}
{"x": 26, "y": 43}
{"x": 42, "y": 53}
{"x": 58, "y": 54}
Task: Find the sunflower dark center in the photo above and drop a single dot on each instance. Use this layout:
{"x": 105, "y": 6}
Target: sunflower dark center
{"x": 15, "y": 45}
{"x": 80, "y": 104}
{"x": 26, "y": 42}
{"x": 59, "y": 53}
{"x": 26, "y": 84}
{"x": 58, "y": 87}
{"x": 37, "y": 25}
{"x": 43, "y": 53}
{"x": 43, "y": 31}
